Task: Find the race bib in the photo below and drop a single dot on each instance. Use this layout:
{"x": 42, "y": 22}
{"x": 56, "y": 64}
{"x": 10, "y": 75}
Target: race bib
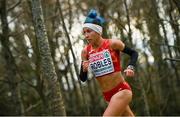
{"x": 101, "y": 63}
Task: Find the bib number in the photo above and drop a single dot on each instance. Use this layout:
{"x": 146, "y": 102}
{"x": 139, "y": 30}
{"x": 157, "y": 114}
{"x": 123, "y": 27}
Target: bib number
{"x": 101, "y": 63}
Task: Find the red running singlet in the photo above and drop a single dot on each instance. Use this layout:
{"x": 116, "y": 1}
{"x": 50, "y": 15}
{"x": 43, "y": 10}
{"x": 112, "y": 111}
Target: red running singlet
{"x": 103, "y": 60}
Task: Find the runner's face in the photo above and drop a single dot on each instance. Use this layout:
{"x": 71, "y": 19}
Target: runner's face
{"x": 90, "y": 35}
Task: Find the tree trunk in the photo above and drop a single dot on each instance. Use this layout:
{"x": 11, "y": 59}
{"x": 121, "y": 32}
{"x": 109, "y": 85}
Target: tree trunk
{"x": 79, "y": 86}
{"x": 174, "y": 25}
{"x": 17, "y": 107}
{"x": 102, "y": 9}
{"x": 48, "y": 70}
{"x": 129, "y": 25}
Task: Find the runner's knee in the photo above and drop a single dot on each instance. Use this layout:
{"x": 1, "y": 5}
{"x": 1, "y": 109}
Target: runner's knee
{"x": 124, "y": 95}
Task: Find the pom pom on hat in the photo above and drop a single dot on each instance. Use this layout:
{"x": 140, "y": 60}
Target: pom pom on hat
{"x": 94, "y": 18}
{"x": 92, "y": 13}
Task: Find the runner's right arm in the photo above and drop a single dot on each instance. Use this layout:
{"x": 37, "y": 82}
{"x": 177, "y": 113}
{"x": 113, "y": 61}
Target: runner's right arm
{"x": 84, "y": 66}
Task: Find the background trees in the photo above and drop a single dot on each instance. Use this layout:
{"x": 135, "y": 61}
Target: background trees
{"x": 151, "y": 27}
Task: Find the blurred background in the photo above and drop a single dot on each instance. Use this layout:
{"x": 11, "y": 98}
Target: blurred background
{"x": 152, "y": 27}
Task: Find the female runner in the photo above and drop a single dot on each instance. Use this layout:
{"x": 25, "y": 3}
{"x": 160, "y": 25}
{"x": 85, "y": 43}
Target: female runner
{"x": 103, "y": 57}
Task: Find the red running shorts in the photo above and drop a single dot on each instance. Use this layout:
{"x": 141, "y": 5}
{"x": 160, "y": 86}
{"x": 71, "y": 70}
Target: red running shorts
{"x": 121, "y": 86}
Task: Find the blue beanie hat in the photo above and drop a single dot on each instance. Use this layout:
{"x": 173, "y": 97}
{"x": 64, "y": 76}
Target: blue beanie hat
{"x": 94, "y": 21}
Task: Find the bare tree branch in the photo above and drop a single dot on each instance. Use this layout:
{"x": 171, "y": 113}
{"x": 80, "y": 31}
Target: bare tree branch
{"x": 14, "y": 5}
{"x": 33, "y": 106}
{"x": 172, "y": 59}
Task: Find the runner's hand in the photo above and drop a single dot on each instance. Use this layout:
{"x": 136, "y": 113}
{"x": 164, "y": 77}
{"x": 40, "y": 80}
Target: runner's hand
{"x": 129, "y": 72}
{"x": 85, "y": 66}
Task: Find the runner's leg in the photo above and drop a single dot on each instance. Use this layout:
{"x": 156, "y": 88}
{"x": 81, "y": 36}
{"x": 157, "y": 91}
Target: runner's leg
{"x": 118, "y": 103}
